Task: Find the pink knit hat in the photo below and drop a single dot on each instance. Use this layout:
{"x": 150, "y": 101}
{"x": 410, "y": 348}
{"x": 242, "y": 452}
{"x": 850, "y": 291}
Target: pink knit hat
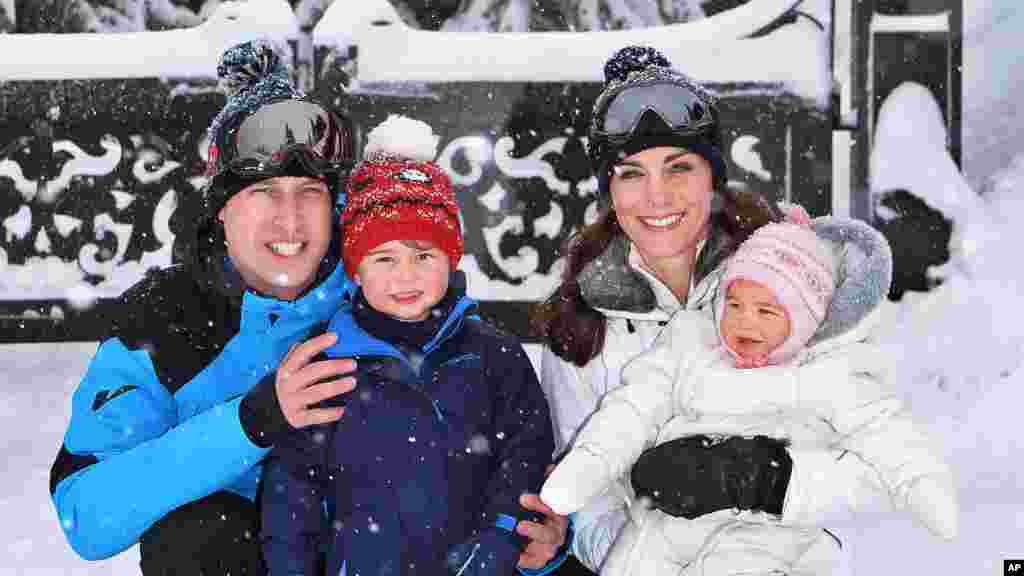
{"x": 793, "y": 262}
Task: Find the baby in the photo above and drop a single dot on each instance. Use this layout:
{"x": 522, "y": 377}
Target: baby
{"x": 783, "y": 365}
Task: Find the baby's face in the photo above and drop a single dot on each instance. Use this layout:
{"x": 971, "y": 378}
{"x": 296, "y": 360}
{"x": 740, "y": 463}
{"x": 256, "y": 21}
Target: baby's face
{"x": 753, "y": 323}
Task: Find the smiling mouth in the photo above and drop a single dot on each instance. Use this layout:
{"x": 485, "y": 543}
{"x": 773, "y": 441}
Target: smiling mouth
{"x": 406, "y": 297}
{"x": 745, "y": 341}
{"x": 664, "y": 221}
{"x": 286, "y": 248}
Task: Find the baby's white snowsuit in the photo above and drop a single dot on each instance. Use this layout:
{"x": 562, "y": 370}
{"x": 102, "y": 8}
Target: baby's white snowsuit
{"x": 831, "y": 396}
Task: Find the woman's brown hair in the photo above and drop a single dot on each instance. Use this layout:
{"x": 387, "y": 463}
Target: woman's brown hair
{"x": 574, "y": 330}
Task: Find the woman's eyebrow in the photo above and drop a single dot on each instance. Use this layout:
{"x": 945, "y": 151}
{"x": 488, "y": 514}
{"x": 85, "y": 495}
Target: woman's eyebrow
{"x": 633, "y": 163}
{"x": 676, "y": 155}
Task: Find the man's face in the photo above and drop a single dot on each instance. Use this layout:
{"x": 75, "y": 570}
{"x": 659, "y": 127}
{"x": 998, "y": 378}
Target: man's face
{"x": 277, "y": 232}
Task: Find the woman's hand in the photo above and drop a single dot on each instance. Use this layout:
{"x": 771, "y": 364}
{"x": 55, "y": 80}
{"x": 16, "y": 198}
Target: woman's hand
{"x": 546, "y": 537}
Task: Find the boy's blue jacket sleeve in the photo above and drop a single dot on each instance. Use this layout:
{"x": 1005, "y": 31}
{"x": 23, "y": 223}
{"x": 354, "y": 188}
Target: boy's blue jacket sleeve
{"x": 292, "y": 503}
{"x": 127, "y": 461}
{"x": 523, "y": 449}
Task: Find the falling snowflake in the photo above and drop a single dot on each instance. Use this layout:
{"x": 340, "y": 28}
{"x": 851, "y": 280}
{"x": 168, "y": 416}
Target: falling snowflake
{"x": 478, "y": 444}
{"x": 81, "y": 296}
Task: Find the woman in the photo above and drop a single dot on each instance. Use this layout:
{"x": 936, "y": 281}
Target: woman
{"x": 668, "y": 222}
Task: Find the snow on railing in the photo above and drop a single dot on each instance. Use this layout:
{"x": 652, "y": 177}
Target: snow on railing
{"x": 717, "y": 49}
{"x": 938, "y": 22}
{"x": 188, "y": 53}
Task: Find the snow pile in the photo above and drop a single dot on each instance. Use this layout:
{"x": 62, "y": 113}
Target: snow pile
{"x": 993, "y": 111}
{"x": 956, "y": 352}
{"x": 36, "y": 383}
{"x": 976, "y": 312}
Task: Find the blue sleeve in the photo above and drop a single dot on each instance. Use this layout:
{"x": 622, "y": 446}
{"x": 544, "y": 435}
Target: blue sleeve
{"x": 526, "y": 441}
{"x": 522, "y": 455}
{"x": 126, "y": 460}
{"x": 292, "y": 504}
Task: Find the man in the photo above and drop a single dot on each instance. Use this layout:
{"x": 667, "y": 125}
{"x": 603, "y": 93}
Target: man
{"x": 205, "y": 365}
{"x": 167, "y": 428}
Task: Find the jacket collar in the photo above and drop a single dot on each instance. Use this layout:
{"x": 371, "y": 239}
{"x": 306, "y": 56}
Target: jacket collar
{"x": 316, "y": 305}
{"x": 617, "y": 285}
{"x": 864, "y": 280}
{"x": 354, "y": 341}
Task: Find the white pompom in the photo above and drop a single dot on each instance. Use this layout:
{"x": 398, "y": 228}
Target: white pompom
{"x": 402, "y": 137}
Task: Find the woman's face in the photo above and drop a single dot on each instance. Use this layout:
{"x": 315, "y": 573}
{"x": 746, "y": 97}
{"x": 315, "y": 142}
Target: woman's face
{"x": 662, "y": 200}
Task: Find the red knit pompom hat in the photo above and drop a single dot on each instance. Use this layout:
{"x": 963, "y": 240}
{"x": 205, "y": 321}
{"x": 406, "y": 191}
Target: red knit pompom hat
{"x": 398, "y": 193}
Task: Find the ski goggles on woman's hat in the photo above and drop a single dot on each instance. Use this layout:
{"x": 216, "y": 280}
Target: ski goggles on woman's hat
{"x": 267, "y": 140}
{"x": 680, "y": 107}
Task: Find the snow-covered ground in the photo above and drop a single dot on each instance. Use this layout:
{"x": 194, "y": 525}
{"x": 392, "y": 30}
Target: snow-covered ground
{"x": 37, "y": 381}
{"x": 957, "y": 352}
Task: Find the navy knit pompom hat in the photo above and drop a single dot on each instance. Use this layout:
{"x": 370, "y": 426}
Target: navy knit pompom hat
{"x": 255, "y": 77}
{"x": 664, "y": 108}
{"x": 252, "y": 74}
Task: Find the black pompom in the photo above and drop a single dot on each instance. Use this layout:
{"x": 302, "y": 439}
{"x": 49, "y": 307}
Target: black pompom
{"x": 247, "y": 64}
{"x": 631, "y": 59}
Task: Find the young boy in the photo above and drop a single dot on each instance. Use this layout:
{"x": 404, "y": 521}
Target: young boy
{"x": 816, "y": 386}
{"x": 447, "y": 425}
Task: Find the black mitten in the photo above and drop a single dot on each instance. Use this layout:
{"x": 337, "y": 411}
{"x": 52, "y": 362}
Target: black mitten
{"x": 697, "y": 475}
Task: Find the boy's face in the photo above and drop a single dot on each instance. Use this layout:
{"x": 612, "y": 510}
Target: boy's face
{"x": 277, "y": 230}
{"x": 404, "y": 279}
{"x": 753, "y": 323}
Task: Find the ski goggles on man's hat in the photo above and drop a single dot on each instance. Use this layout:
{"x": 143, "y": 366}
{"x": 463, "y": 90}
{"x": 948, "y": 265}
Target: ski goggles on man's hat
{"x": 679, "y": 105}
{"x": 269, "y": 139}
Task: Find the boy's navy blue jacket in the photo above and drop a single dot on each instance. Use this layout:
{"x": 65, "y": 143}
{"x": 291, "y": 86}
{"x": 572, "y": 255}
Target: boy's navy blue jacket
{"x": 429, "y": 460}
{"x": 156, "y": 449}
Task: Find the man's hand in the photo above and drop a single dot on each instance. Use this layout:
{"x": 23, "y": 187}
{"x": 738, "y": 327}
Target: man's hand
{"x": 301, "y": 383}
{"x": 546, "y": 537}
